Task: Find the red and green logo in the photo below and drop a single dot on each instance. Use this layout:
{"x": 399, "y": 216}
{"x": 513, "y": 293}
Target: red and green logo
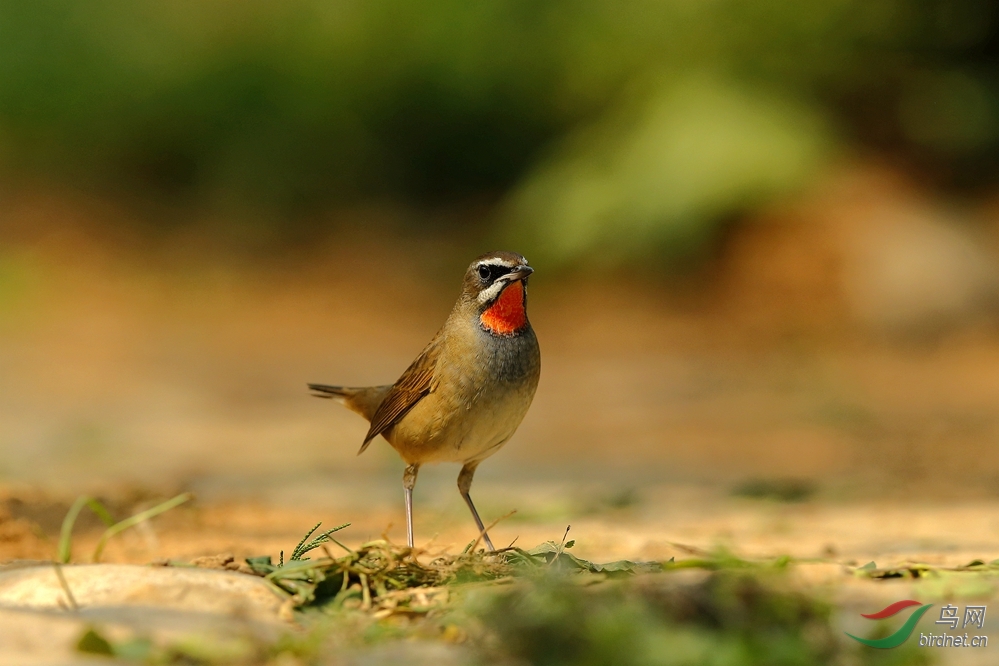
{"x": 903, "y": 632}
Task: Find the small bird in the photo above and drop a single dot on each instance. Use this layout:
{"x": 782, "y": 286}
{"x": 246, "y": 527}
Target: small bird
{"x": 467, "y": 392}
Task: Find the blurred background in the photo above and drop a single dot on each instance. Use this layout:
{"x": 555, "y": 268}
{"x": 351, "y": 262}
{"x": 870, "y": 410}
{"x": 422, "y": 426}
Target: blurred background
{"x": 766, "y": 238}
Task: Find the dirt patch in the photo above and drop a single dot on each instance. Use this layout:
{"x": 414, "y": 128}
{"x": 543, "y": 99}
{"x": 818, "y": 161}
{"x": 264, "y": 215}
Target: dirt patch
{"x": 21, "y": 539}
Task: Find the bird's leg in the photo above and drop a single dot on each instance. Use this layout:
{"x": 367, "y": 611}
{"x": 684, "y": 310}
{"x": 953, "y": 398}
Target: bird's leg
{"x": 464, "y": 485}
{"x": 409, "y": 482}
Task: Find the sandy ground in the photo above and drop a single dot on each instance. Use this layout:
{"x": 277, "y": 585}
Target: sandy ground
{"x": 668, "y": 521}
{"x": 828, "y": 537}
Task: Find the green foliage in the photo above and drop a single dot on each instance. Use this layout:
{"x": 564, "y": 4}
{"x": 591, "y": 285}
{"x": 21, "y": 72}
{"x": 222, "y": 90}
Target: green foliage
{"x": 544, "y": 606}
{"x": 305, "y": 546}
{"x": 92, "y": 642}
{"x": 923, "y": 570}
{"x": 382, "y": 575}
{"x": 540, "y": 606}
{"x": 619, "y": 130}
{"x": 18, "y": 277}
{"x": 661, "y": 177}
{"x": 976, "y": 580}
{"x": 553, "y": 555}
{"x": 292, "y": 104}
{"x": 725, "y": 618}
{"x": 780, "y": 490}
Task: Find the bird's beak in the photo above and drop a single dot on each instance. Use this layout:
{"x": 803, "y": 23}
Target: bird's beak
{"x": 520, "y": 273}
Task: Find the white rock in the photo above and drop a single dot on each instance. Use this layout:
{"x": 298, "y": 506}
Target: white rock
{"x": 104, "y": 585}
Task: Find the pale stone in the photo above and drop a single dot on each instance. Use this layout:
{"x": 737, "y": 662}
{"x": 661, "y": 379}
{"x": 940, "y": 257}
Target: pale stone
{"x": 177, "y": 588}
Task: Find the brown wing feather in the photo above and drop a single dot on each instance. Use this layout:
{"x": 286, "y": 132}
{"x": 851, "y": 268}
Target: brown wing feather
{"x": 416, "y": 382}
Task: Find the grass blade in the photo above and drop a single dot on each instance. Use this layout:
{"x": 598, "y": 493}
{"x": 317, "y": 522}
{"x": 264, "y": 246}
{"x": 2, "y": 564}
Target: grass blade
{"x": 304, "y": 546}
{"x": 66, "y": 533}
{"x": 136, "y": 519}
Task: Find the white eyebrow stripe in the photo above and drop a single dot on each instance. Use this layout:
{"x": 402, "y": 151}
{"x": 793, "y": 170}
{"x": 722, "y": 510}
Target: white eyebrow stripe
{"x": 496, "y": 262}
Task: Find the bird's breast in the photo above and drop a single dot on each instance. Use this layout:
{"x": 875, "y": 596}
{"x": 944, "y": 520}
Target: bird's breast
{"x": 481, "y": 396}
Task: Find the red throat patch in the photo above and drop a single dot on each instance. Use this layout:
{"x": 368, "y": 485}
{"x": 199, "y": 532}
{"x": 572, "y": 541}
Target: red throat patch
{"x": 507, "y": 314}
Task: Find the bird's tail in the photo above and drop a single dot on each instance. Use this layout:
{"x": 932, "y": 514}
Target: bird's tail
{"x": 326, "y": 391}
{"x": 361, "y": 399}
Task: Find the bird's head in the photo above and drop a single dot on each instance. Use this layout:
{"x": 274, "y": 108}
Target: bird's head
{"x": 496, "y": 287}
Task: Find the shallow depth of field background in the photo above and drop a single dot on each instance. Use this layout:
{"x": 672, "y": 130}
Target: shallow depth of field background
{"x": 766, "y": 238}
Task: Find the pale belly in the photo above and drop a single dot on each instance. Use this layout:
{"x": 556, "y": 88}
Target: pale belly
{"x": 472, "y": 431}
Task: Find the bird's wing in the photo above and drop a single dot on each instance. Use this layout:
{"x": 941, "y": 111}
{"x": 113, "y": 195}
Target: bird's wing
{"x": 416, "y": 382}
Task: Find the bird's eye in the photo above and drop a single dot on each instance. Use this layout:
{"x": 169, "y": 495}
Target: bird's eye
{"x": 484, "y": 273}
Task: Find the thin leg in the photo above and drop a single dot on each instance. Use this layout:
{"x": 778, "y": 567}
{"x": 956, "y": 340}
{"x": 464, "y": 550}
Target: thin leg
{"x": 408, "y": 483}
{"x": 464, "y": 485}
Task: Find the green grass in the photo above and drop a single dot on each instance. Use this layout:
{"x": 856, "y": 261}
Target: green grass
{"x": 113, "y": 527}
{"x": 778, "y": 490}
{"x": 542, "y": 606}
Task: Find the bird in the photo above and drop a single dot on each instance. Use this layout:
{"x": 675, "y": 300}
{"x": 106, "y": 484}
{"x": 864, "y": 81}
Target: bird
{"x": 469, "y": 389}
